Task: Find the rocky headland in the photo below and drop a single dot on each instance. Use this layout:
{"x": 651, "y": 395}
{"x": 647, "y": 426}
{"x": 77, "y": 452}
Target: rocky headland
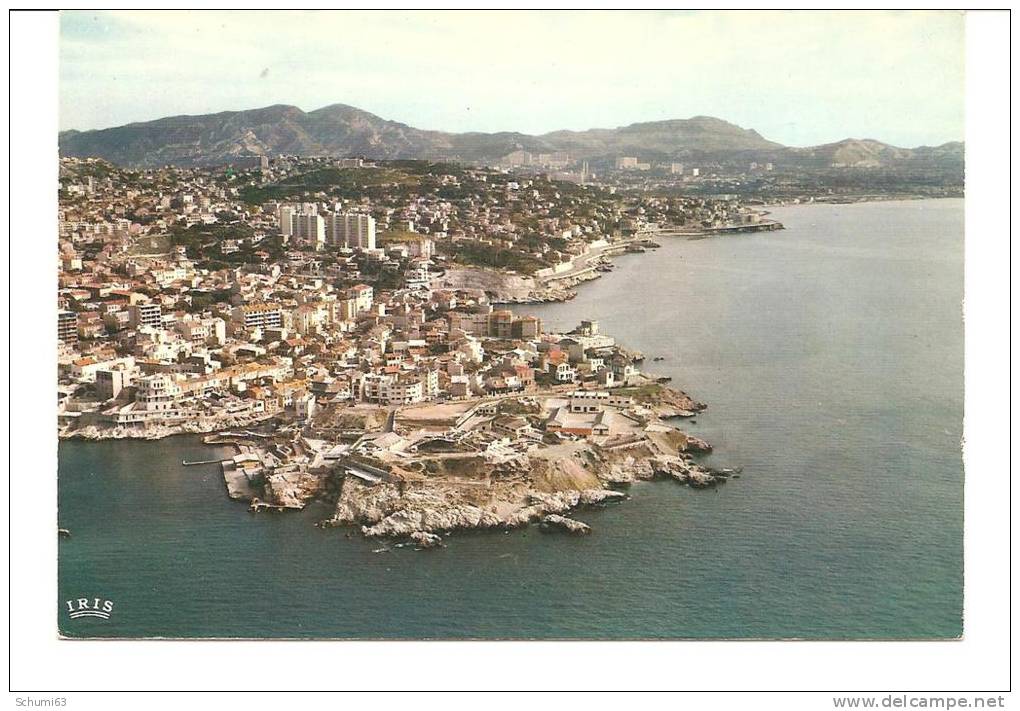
{"x": 423, "y": 498}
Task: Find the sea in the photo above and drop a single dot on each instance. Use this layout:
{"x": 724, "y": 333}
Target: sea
{"x": 830, "y": 355}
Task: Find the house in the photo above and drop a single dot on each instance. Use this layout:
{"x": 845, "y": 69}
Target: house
{"x": 565, "y": 373}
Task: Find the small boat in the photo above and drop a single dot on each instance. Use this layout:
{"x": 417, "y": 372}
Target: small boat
{"x": 658, "y": 358}
{"x": 63, "y": 533}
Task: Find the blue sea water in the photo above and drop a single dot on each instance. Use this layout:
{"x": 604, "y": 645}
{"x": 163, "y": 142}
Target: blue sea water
{"x": 831, "y": 357}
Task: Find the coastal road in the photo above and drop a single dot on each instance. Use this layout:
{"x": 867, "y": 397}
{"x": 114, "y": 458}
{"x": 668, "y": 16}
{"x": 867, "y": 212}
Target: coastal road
{"x": 583, "y": 262}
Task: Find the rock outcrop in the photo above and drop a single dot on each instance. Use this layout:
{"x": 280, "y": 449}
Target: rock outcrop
{"x": 420, "y": 498}
{"x": 502, "y": 287}
{"x": 426, "y": 540}
{"x": 696, "y": 444}
{"x": 555, "y": 522}
{"x": 200, "y": 425}
{"x": 293, "y": 489}
{"x": 383, "y": 510}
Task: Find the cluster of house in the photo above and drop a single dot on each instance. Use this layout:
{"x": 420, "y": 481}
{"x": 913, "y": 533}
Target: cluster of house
{"x": 130, "y": 355}
{"x": 155, "y": 338}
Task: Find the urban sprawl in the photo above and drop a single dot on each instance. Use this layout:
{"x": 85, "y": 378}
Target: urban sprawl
{"x": 342, "y": 324}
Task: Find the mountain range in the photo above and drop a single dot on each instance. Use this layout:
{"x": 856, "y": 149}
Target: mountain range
{"x": 341, "y": 130}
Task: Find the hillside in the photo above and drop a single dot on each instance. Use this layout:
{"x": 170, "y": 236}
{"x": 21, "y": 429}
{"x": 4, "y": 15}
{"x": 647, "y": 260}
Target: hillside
{"x": 341, "y": 130}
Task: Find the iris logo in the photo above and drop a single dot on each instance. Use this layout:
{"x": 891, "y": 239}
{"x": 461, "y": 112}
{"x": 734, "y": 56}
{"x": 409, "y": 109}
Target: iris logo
{"x": 89, "y": 607}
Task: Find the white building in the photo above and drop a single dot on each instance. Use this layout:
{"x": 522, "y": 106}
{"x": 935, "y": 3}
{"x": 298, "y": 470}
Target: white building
{"x": 67, "y": 327}
{"x": 405, "y": 389}
{"x": 146, "y": 314}
{"x": 362, "y": 295}
{"x": 111, "y": 381}
{"x": 565, "y": 374}
{"x": 259, "y": 316}
{"x": 352, "y": 229}
{"x": 594, "y": 400}
{"x": 157, "y": 393}
{"x": 201, "y": 330}
{"x": 310, "y": 229}
{"x": 417, "y": 277}
{"x": 305, "y": 406}
{"x": 286, "y": 214}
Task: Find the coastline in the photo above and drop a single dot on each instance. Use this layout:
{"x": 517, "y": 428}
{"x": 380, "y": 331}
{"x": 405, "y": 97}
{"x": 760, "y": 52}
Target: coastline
{"x": 540, "y": 488}
{"x": 409, "y": 508}
{"x": 505, "y": 288}
{"x": 154, "y": 431}
{"x": 420, "y": 502}
{"x": 564, "y": 290}
{"x": 397, "y": 500}
{"x": 672, "y": 543}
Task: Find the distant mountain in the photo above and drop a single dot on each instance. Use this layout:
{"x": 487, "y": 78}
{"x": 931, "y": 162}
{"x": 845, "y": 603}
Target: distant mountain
{"x": 702, "y": 133}
{"x": 869, "y": 153}
{"x": 341, "y": 130}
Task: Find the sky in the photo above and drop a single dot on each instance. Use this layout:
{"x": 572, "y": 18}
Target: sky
{"x": 799, "y": 78}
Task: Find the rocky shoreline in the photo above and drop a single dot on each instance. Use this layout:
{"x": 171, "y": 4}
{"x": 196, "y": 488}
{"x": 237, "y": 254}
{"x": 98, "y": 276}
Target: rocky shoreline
{"x": 409, "y": 512}
{"x": 548, "y": 488}
{"x": 512, "y": 288}
{"x": 153, "y": 431}
{"x": 420, "y": 505}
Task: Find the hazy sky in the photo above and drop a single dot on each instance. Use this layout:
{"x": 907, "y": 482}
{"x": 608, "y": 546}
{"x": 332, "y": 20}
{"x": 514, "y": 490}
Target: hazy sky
{"x": 798, "y": 78}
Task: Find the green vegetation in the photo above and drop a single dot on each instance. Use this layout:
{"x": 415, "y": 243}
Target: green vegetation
{"x": 95, "y": 168}
{"x": 647, "y": 393}
{"x": 533, "y": 242}
{"x": 382, "y": 276}
{"x": 201, "y": 235}
{"x": 151, "y": 244}
{"x": 516, "y": 407}
{"x": 204, "y": 245}
{"x": 484, "y": 255}
{"x": 426, "y": 167}
{"x": 201, "y": 302}
{"x": 398, "y": 236}
{"x": 338, "y": 182}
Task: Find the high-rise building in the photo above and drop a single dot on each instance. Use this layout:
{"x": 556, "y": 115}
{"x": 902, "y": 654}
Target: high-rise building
{"x": 258, "y": 316}
{"x": 67, "y": 327}
{"x": 352, "y": 229}
{"x": 146, "y": 314}
{"x": 501, "y": 323}
{"x": 286, "y": 220}
{"x": 310, "y": 229}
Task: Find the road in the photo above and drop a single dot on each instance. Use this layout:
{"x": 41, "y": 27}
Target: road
{"x": 583, "y": 262}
